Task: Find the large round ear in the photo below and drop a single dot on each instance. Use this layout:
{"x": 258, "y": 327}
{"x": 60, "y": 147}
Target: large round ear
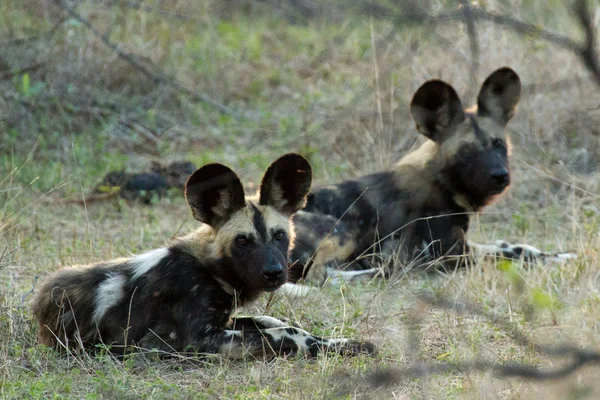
{"x": 499, "y": 95}
{"x": 214, "y": 192}
{"x": 436, "y": 109}
{"x": 286, "y": 184}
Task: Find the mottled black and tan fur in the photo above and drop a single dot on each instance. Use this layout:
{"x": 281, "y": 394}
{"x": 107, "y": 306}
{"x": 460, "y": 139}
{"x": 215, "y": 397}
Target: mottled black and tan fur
{"x": 180, "y": 298}
{"x": 419, "y": 210}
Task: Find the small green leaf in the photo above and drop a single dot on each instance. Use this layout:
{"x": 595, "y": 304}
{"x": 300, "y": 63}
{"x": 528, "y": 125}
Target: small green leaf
{"x": 543, "y": 300}
{"x": 109, "y": 189}
{"x": 510, "y": 271}
{"x": 25, "y": 84}
{"x": 505, "y": 265}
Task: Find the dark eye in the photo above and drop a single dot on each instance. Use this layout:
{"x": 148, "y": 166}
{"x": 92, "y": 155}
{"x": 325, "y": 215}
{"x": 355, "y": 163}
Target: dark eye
{"x": 499, "y": 144}
{"x": 279, "y": 235}
{"x": 241, "y": 240}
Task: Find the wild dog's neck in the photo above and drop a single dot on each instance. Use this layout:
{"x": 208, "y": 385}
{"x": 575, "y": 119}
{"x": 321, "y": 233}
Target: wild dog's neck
{"x": 433, "y": 166}
{"x": 203, "y": 245}
{"x": 421, "y": 157}
{"x": 445, "y": 176}
{"x": 427, "y": 161}
{"x": 449, "y": 177}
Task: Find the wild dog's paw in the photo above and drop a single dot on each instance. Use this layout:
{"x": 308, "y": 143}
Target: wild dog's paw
{"x": 289, "y": 322}
{"x": 345, "y": 347}
{"x": 337, "y": 277}
{"x": 317, "y": 274}
{"x": 530, "y": 253}
{"x": 384, "y": 264}
{"x": 295, "y": 290}
{"x": 355, "y": 348}
{"x": 561, "y": 257}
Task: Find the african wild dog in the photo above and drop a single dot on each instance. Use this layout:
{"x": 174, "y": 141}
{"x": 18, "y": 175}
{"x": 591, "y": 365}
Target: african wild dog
{"x": 420, "y": 209}
{"x": 180, "y": 297}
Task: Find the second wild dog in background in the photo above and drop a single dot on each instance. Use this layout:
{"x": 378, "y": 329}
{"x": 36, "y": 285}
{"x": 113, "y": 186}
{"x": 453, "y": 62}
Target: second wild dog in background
{"x": 419, "y": 210}
{"x": 180, "y": 298}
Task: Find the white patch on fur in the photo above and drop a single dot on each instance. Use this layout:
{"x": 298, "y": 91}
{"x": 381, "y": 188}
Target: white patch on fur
{"x": 527, "y": 251}
{"x": 232, "y": 333}
{"x": 338, "y": 277}
{"x": 480, "y": 250}
{"x": 225, "y": 286}
{"x": 109, "y": 293}
{"x": 295, "y": 290}
{"x": 337, "y": 342}
{"x": 566, "y": 256}
{"x": 173, "y": 335}
{"x": 462, "y": 201}
{"x": 143, "y": 263}
{"x": 299, "y": 337}
{"x": 270, "y": 322}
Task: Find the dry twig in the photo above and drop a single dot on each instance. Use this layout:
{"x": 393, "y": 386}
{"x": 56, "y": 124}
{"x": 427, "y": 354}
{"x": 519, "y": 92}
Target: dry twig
{"x": 156, "y": 77}
{"x": 585, "y": 51}
{"x": 579, "y": 358}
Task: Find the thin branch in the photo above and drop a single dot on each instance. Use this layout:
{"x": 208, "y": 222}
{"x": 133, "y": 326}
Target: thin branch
{"x": 579, "y": 357}
{"x": 46, "y": 36}
{"x": 392, "y": 376}
{"x": 138, "y": 5}
{"x": 585, "y": 51}
{"x": 156, "y": 77}
{"x": 25, "y": 295}
{"x": 29, "y": 68}
{"x": 474, "y": 44}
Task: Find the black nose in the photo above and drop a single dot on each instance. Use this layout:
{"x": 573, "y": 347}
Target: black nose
{"x": 500, "y": 176}
{"x": 273, "y": 271}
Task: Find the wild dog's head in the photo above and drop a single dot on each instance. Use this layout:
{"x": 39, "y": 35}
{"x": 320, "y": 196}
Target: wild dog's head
{"x": 254, "y": 236}
{"x": 473, "y": 144}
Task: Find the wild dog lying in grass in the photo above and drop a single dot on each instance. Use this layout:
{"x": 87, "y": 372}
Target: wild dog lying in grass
{"x": 180, "y": 297}
{"x": 419, "y": 210}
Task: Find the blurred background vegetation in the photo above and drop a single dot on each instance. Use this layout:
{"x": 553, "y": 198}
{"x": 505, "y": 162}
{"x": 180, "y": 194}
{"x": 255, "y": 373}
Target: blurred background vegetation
{"x": 329, "y": 79}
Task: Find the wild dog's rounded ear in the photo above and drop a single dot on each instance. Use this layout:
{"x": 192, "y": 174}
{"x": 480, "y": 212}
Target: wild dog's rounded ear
{"x": 214, "y": 192}
{"x": 499, "y": 95}
{"x": 286, "y": 183}
{"x": 436, "y": 108}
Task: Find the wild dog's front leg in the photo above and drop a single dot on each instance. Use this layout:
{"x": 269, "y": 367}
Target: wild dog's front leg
{"x": 440, "y": 240}
{"x": 322, "y": 241}
{"x": 258, "y": 323}
{"x": 272, "y": 340}
{"x": 525, "y": 252}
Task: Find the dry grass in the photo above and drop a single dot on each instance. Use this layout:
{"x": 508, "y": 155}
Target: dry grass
{"x": 336, "y": 88}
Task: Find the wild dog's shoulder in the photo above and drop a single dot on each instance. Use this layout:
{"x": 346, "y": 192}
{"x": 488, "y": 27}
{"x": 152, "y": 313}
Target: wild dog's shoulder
{"x": 317, "y": 222}
{"x": 312, "y": 228}
{"x": 201, "y": 244}
{"x": 355, "y": 199}
{"x": 173, "y": 266}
